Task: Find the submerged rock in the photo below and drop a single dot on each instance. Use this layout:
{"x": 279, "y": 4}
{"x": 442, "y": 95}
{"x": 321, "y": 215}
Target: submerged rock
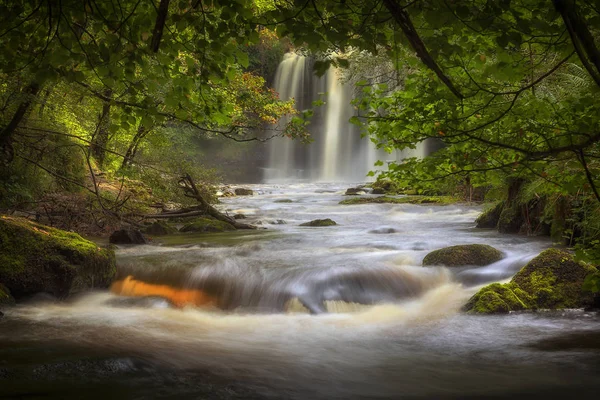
{"x": 283, "y": 201}
{"x": 320, "y": 222}
{"x": 243, "y": 192}
{"x": 127, "y": 236}
{"x": 160, "y": 228}
{"x": 239, "y": 216}
{"x": 489, "y": 218}
{"x": 207, "y": 225}
{"x": 383, "y": 230}
{"x": 36, "y": 258}
{"x": 466, "y": 254}
{"x": 552, "y": 280}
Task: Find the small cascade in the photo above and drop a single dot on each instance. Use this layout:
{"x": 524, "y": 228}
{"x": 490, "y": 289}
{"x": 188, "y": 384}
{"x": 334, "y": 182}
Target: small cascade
{"x": 338, "y": 153}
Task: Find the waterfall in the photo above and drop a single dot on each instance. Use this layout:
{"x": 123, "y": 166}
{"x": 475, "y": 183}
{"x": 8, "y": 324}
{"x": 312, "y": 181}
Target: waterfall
{"x": 338, "y": 153}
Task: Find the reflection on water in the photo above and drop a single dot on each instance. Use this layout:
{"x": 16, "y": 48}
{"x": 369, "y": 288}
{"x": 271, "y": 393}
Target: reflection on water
{"x": 393, "y": 329}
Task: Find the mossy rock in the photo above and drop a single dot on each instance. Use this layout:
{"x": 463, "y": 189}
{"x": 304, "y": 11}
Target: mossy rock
{"x": 355, "y": 191}
{"x": 510, "y": 220}
{"x": 320, "y": 222}
{"x": 489, "y": 218}
{"x": 5, "y": 296}
{"x": 243, "y": 192}
{"x": 207, "y": 225}
{"x": 441, "y": 200}
{"x": 552, "y": 280}
{"x": 36, "y": 258}
{"x": 160, "y": 228}
{"x": 497, "y": 299}
{"x": 465, "y": 254}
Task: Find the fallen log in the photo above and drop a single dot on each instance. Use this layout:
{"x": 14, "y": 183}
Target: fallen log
{"x": 190, "y": 190}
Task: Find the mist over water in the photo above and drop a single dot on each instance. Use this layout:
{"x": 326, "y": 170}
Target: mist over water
{"x": 412, "y": 342}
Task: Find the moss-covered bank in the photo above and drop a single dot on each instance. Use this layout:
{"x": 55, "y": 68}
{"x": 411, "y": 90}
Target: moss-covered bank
{"x": 37, "y": 258}
{"x": 465, "y": 254}
{"x": 552, "y": 280}
{"x": 441, "y": 200}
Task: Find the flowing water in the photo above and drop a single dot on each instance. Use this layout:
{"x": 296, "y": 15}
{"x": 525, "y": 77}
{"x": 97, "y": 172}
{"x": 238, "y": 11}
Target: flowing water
{"x": 393, "y": 329}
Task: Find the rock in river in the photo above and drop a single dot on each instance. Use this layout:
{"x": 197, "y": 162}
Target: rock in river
{"x": 320, "y": 222}
{"x": 127, "y": 236}
{"x": 207, "y": 225}
{"x": 552, "y": 280}
{"x": 465, "y": 254}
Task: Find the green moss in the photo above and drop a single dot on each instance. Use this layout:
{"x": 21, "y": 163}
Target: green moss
{"x": 5, "y": 296}
{"x": 552, "y": 280}
{"x": 320, "y": 222}
{"x": 510, "y": 220}
{"x": 207, "y": 225}
{"x": 489, "y": 218}
{"x": 496, "y": 299}
{"x": 441, "y": 200}
{"x": 467, "y": 254}
{"x": 160, "y": 228}
{"x": 35, "y": 257}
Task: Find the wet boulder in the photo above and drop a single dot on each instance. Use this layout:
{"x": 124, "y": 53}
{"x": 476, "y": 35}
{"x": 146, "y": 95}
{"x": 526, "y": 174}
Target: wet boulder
{"x": 461, "y": 255}
{"x": 127, "y": 236}
{"x": 206, "y": 225}
{"x": 383, "y": 230}
{"x": 160, "y": 228}
{"x": 552, "y": 280}
{"x": 355, "y": 191}
{"x": 36, "y": 258}
{"x": 243, "y": 192}
{"x": 490, "y": 217}
{"x": 239, "y": 216}
{"x": 320, "y": 222}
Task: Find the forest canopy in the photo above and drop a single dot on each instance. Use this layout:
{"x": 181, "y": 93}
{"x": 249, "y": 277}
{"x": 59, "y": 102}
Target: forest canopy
{"x": 508, "y": 89}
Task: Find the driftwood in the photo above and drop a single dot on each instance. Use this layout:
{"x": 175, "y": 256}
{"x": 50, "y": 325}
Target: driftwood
{"x": 190, "y": 190}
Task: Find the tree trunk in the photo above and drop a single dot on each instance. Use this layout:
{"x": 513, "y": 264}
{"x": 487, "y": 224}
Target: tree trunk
{"x": 133, "y": 146}
{"x": 6, "y": 133}
{"x": 100, "y": 138}
{"x": 190, "y": 189}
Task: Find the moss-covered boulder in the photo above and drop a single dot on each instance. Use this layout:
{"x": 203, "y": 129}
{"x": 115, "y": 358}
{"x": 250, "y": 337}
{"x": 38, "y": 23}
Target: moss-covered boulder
{"x": 552, "y": 280}
{"x": 207, "y": 225}
{"x": 243, "y": 192}
{"x": 355, "y": 191}
{"x": 489, "y": 218}
{"x": 320, "y": 222}
{"x": 127, "y": 236}
{"x": 160, "y": 228}
{"x": 36, "y": 258}
{"x": 465, "y": 254}
{"x": 510, "y": 220}
{"x": 5, "y": 296}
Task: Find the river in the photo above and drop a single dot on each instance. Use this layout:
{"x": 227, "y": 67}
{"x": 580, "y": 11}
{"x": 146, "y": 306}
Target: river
{"x": 413, "y": 344}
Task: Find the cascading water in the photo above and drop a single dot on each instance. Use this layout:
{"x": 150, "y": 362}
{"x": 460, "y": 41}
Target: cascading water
{"x": 338, "y": 152}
